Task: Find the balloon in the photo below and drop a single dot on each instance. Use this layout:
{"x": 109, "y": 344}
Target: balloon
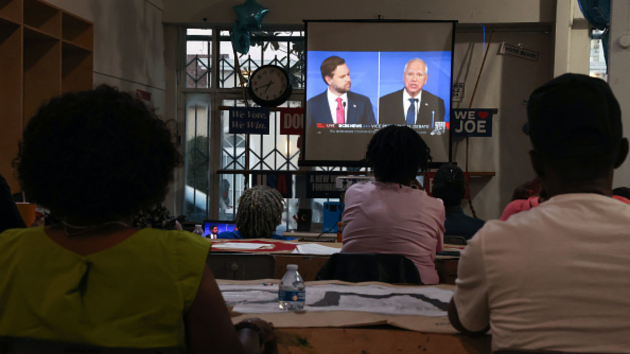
{"x": 250, "y": 14}
{"x": 240, "y": 38}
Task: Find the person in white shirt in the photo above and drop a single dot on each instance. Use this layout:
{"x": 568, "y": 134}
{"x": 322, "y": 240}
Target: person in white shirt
{"x": 556, "y": 277}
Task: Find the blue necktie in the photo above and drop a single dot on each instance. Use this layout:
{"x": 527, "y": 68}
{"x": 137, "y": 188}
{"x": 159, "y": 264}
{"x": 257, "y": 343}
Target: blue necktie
{"x": 411, "y": 112}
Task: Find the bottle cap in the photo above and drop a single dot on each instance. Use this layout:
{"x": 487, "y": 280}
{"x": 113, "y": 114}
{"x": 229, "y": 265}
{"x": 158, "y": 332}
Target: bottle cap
{"x": 292, "y": 266}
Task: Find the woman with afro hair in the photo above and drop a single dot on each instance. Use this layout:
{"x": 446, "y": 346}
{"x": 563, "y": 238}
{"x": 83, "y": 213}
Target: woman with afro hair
{"x": 95, "y": 159}
{"x": 388, "y": 216}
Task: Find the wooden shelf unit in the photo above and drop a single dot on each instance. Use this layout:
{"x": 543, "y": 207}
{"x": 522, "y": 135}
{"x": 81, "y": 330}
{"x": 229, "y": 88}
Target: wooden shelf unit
{"x": 44, "y": 51}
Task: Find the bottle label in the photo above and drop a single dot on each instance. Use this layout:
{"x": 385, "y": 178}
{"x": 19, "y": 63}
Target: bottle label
{"x": 291, "y": 295}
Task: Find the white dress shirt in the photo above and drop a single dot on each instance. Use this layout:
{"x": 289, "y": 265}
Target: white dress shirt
{"x": 332, "y": 102}
{"x": 406, "y": 104}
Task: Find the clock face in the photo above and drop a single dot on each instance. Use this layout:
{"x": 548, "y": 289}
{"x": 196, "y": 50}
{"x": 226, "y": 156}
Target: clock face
{"x": 269, "y": 86}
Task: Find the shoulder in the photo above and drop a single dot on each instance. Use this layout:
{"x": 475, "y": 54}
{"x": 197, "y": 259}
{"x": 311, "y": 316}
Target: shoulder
{"x": 357, "y": 96}
{"x": 426, "y": 95}
{"x": 181, "y": 238}
{"x": 14, "y": 236}
{"x": 393, "y": 95}
{"x": 318, "y": 98}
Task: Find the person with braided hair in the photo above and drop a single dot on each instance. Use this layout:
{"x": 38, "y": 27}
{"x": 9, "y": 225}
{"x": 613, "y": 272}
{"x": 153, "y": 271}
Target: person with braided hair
{"x": 259, "y": 212}
{"x": 388, "y": 216}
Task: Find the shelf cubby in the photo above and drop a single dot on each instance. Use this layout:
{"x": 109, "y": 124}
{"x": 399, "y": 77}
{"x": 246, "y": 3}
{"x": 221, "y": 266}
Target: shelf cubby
{"x": 77, "y": 31}
{"x": 11, "y": 10}
{"x": 10, "y": 92}
{"x": 42, "y": 74}
{"x": 42, "y": 16}
{"x": 44, "y": 51}
{"x": 76, "y": 68}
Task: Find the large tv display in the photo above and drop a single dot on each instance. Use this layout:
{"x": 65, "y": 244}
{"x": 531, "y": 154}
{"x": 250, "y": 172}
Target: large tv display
{"x": 364, "y": 75}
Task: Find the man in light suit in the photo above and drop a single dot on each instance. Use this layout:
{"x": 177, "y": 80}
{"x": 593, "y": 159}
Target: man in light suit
{"x": 337, "y": 105}
{"x": 412, "y": 105}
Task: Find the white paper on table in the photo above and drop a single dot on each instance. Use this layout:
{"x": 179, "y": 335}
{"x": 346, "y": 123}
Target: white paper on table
{"x": 315, "y": 249}
{"x": 242, "y": 245}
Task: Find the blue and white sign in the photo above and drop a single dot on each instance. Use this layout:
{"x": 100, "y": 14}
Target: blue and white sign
{"x": 245, "y": 120}
{"x": 472, "y": 122}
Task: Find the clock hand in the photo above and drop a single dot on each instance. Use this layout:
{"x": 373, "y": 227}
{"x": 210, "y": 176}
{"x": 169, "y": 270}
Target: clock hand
{"x": 269, "y": 84}
{"x": 266, "y": 86}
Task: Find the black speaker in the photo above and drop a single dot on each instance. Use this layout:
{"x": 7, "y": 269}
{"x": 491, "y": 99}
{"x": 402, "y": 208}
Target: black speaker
{"x": 304, "y": 220}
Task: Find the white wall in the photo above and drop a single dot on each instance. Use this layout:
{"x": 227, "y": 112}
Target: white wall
{"x": 619, "y": 73}
{"x": 128, "y": 43}
{"x": 128, "y": 48}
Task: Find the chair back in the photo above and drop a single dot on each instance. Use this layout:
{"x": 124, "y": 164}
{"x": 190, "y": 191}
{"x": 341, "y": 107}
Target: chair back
{"x": 361, "y": 267}
{"x": 13, "y": 345}
{"x": 241, "y": 266}
{"x": 455, "y": 240}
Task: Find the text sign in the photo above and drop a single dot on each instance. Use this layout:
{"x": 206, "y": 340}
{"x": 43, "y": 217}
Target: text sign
{"x": 458, "y": 92}
{"x": 245, "y": 120}
{"x": 323, "y": 184}
{"x": 517, "y": 51}
{"x": 471, "y": 122}
{"x": 291, "y": 121}
{"x": 282, "y": 182}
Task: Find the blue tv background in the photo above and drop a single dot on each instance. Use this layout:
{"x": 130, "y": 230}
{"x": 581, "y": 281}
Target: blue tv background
{"x": 439, "y": 69}
{"x": 364, "y": 68}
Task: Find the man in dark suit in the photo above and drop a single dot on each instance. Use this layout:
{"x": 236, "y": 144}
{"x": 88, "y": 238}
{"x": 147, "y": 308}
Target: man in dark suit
{"x": 338, "y": 105}
{"x": 412, "y": 105}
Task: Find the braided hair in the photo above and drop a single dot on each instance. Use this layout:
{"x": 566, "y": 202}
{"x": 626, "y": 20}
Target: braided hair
{"x": 259, "y": 212}
{"x": 396, "y": 153}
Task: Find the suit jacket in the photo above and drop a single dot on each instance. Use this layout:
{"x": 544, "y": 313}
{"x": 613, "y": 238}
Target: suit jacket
{"x": 359, "y": 110}
{"x": 391, "y": 109}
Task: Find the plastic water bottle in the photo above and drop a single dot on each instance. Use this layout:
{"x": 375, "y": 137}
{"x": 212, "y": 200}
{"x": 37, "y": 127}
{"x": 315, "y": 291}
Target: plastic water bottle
{"x": 198, "y": 230}
{"x": 292, "y": 291}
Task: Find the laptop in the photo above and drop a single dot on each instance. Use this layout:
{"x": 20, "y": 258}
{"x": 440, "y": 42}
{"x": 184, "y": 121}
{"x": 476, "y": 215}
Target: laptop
{"x": 221, "y": 225}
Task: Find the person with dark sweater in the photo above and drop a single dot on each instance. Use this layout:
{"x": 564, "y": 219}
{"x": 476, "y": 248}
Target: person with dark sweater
{"x": 9, "y": 215}
{"x": 449, "y": 184}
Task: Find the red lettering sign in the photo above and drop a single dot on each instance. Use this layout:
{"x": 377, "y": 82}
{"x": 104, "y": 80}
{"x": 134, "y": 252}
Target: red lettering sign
{"x": 291, "y": 121}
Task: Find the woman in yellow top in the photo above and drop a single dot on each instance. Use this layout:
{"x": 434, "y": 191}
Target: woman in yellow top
{"x": 96, "y": 158}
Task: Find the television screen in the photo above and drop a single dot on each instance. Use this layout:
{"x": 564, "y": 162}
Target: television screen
{"x": 222, "y": 226}
{"x": 364, "y": 75}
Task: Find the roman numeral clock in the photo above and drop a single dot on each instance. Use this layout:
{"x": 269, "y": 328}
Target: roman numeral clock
{"x": 269, "y": 86}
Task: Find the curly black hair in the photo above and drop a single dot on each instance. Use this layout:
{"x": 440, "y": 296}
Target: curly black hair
{"x": 259, "y": 212}
{"x": 396, "y": 154}
{"x": 96, "y": 155}
{"x": 449, "y": 184}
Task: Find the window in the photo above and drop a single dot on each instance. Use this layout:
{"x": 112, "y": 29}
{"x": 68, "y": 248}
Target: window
{"x": 211, "y": 81}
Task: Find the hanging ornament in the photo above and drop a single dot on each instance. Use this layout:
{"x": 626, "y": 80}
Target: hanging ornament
{"x": 250, "y": 16}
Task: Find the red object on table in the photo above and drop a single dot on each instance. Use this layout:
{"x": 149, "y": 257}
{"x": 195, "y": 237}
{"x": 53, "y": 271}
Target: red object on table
{"x": 277, "y": 246}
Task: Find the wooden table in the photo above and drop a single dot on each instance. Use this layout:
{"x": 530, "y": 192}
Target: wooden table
{"x": 365, "y": 333}
{"x": 376, "y": 340}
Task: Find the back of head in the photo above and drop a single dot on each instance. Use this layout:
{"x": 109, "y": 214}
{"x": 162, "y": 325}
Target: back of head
{"x": 96, "y": 155}
{"x": 259, "y": 212}
{"x": 574, "y": 123}
{"x": 449, "y": 184}
{"x": 396, "y": 154}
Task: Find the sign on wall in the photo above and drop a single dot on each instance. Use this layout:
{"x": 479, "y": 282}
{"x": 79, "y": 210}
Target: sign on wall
{"x": 323, "y": 184}
{"x": 518, "y": 51}
{"x": 246, "y": 120}
{"x": 291, "y": 121}
{"x": 282, "y": 182}
{"x": 471, "y": 122}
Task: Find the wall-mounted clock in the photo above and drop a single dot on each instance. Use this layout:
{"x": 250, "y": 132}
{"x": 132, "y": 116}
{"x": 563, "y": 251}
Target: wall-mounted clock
{"x": 269, "y": 86}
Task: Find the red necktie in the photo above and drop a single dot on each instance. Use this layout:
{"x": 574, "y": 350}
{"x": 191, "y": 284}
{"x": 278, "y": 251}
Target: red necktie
{"x": 340, "y": 113}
